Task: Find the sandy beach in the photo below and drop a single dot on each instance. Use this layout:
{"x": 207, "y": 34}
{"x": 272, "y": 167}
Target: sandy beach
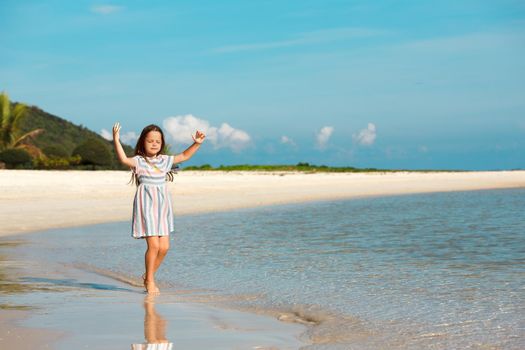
{"x": 33, "y": 201}
{"x": 37, "y": 200}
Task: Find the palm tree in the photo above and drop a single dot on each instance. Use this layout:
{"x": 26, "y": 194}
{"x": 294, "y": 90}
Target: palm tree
{"x": 10, "y": 131}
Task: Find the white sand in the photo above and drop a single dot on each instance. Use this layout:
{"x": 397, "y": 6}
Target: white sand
{"x": 32, "y": 200}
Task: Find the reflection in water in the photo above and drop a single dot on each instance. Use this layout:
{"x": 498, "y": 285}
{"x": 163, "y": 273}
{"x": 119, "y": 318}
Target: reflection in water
{"x": 154, "y": 328}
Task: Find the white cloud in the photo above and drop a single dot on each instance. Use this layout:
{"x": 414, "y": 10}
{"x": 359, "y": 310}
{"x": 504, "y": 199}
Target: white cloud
{"x": 129, "y": 138}
{"x": 234, "y": 138}
{"x": 423, "y": 149}
{"x": 180, "y": 128}
{"x": 323, "y": 135}
{"x": 106, "y": 9}
{"x": 106, "y": 134}
{"x": 287, "y": 141}
{"x": 366, "y": 137}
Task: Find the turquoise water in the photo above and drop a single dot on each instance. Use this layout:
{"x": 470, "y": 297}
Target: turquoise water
{"x": 437, "y": 271}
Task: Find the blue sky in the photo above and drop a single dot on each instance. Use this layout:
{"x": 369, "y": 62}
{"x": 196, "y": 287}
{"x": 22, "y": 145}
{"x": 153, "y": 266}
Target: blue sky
{"x": 387, "y": 84}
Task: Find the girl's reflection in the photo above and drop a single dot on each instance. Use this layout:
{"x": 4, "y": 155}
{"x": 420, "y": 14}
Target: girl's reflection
{"x": 154, "y": 328}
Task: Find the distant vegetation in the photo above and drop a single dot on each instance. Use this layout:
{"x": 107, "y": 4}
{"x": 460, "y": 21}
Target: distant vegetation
{"x": 302, "y": 167}
{"x": 305, "y": 167}
{"x": 16, "y": 145}
{"x": 93, "y": 152}
{"x": 50, "y": 142}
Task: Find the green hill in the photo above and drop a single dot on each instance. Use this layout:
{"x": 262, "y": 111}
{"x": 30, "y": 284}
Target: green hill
{"x": 61, "y": 136}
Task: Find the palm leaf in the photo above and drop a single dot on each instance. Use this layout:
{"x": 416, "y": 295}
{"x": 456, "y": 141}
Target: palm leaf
{"x": 17, "y": 114}
{"x": 34, "y": 151}
{"x": 9, "y": 120}
{"x": 5, "y": 108}
{"x": 24, "y": 139}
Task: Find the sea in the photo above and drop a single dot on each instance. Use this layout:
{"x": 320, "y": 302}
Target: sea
{"x": 421, "y": 271}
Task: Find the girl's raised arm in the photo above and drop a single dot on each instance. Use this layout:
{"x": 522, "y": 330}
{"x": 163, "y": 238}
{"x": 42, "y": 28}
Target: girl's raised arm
{"x": 118, "y": 147}
{"x": 188, "y": 153}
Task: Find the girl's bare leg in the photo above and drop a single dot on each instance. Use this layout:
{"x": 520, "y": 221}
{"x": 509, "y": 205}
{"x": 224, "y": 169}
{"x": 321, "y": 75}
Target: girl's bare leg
{"x": 150, "y": 261}
{"x": 164, "y": 245}
{"x": 157, "y": 249}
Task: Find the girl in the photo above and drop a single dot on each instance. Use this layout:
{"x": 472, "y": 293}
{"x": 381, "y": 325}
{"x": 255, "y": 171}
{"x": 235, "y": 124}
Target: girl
{"x": 152, "y": 209}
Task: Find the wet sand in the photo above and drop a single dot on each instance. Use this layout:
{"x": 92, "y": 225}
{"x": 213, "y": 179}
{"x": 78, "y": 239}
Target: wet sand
{"x": 33, "y": 200}
{"x": 53, "y": 306}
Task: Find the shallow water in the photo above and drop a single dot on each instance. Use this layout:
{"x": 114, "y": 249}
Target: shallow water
{"x": 443, "y": 270}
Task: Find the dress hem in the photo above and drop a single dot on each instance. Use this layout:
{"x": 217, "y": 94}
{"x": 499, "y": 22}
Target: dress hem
{"x": 142, "y": 237}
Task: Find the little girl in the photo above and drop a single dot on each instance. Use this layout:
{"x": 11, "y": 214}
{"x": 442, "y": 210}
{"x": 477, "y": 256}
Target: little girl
{"x": 152, "y": 209}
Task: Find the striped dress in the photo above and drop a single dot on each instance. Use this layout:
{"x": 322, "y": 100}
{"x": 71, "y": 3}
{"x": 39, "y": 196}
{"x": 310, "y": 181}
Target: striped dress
{"x": 152, "y": 208}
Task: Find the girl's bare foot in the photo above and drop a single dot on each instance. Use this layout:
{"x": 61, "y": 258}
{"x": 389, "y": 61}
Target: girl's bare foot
{"x": 156, "y": 290}
{"x": 151, "y": 287}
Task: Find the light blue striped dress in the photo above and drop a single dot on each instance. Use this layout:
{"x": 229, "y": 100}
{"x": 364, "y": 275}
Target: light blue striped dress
{"x": 152, "y": 208}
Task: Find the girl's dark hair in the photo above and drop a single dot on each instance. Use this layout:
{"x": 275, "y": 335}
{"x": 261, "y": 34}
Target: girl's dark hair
{"x": 140, "y": 150}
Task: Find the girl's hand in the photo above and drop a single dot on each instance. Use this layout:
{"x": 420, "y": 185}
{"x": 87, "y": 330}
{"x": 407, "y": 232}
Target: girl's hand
{"x": 199, "y": 137}
{"x": 116, "y": 131}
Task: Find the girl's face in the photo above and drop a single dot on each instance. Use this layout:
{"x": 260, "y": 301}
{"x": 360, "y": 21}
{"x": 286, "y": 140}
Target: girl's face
{"x": 152, "y": 143}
